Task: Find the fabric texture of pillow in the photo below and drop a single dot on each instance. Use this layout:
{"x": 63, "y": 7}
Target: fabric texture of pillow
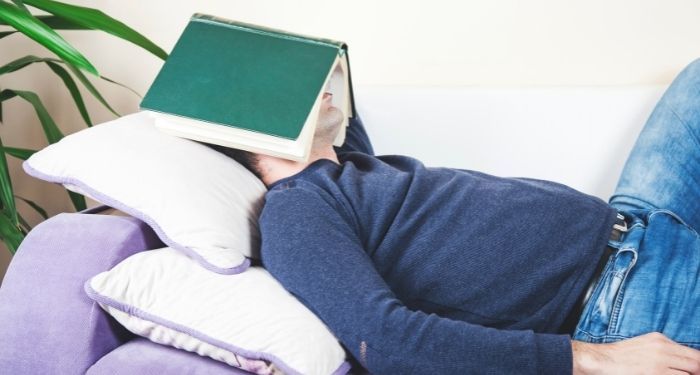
{"x": 198, "y": 200}
{"x": 247, "y": 320}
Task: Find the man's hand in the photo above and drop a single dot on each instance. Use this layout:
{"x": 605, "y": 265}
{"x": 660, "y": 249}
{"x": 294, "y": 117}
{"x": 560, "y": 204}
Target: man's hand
{"x": 652, "y": 353}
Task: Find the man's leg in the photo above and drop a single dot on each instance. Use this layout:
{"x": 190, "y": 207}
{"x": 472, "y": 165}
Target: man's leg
{"x": 663, "y": 169}
{"x": 652, "y": 284}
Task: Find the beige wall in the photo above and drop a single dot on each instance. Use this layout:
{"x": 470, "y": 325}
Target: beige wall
{"x": 407, "y": 42}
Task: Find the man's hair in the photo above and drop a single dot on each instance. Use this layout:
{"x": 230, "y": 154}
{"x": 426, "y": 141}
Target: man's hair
{"x": 247, "y": 159}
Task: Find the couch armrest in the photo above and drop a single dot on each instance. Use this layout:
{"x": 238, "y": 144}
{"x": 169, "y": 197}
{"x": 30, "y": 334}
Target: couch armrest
{"x": 48, "y": 325}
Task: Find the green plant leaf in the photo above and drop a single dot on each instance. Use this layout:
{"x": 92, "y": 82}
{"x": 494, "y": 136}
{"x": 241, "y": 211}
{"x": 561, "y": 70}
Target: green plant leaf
{"x": 29, "y": 59}
{"x": 35, "y": 206}
{"x": 73, "y": 89}
{"x": 96, "y": 19}
{"x": 11, "y": 234}
{"x": 68, "y": 81}
{"x": 33, "y": 28}
{"x": 122, "y": 85}
{"x": 7, "y": 199}
{"x": 20, "y": 4}
{"x": 57, "y": 23}
{"x": 19, "y": 153}
{"x": 88, "y": 85}
{"x": 5, "y": 95}
{"x": 24, "y": 225}
{"x": 78, "y": 200}
{"x": 20, "y": 63}
{"x": 52, "y": 132}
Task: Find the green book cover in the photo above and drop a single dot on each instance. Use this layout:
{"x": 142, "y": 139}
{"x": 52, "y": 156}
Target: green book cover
{"x": 245, "y": 76}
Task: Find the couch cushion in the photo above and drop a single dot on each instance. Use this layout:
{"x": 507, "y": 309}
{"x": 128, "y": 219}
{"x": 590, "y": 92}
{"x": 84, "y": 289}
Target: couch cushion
{"x": 247, "y": 320}
{"x": 47, "y": 323}
{"x": 144, "y": 357}
{"x": 198, "y": 200}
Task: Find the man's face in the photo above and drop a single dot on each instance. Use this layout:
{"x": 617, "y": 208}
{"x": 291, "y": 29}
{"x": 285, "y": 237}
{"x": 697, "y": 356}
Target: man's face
{"x": 329, "y": 119}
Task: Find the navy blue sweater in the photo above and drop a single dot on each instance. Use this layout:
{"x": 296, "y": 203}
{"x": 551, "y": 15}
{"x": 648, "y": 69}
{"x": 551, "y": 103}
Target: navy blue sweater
{"x": 434, "y": 270}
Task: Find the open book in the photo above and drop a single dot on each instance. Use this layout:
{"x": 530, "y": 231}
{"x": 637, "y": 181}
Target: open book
{"x": 249, "y": 87}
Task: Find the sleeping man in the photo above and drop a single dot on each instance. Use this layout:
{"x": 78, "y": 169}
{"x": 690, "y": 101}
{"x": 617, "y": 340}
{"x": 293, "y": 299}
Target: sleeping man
{"x": 420, "y": 270}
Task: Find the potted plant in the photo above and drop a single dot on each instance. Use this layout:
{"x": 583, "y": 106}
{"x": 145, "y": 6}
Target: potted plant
{"x": 69, "y": 66}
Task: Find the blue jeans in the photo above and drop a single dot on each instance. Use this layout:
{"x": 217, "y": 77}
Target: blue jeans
{"x": 652, "y": 282}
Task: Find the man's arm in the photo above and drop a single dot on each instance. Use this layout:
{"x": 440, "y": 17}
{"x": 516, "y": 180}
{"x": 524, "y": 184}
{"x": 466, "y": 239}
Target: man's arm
{"x": 356, "y": 138}
{"x": 311, "y": 249}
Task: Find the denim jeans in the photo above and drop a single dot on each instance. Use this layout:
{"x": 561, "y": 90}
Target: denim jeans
{"x": 651, "y": 283}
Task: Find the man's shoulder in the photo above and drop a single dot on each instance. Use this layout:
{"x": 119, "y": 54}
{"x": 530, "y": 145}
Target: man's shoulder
{"x": 301, "y": 199}
{"x": 297, "y": 193}
{"x": 291, "y": 190}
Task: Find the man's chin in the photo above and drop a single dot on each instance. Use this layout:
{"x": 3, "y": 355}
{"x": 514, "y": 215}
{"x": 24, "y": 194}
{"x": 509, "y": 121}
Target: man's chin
{"x": 329, "y": 120}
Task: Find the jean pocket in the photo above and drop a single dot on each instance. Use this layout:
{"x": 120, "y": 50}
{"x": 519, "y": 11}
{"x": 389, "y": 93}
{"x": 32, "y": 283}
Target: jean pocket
{"x": 624, "y": 264}
{"x": 601, "y": 314}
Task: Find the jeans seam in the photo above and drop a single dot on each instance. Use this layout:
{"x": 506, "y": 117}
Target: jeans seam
{"x": 616, "y": 308}
{"x": 675, "y": 216}
{"x": 649, "y": 205}
{"x": 684, "y": 123}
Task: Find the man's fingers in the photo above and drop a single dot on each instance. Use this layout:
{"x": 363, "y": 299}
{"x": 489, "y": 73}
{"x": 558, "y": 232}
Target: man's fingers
{"x": 676, "y": 372}
{"x": 686, "y": 359}
{"x": 690, "y": 365}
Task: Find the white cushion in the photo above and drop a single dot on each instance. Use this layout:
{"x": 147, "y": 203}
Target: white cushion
{"x": 247, "y": 320}
{"x": 197, "y": 200}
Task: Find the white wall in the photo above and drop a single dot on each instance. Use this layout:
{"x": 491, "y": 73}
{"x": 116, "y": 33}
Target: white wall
{"x": 407, "y": 42}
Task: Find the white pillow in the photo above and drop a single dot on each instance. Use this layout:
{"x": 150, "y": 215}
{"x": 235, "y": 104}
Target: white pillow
{"x": 247, "y": 320}
{"x": 197, "y": 200}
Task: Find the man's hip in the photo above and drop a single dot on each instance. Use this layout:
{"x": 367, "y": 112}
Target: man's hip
{"x": 650, "y": 283}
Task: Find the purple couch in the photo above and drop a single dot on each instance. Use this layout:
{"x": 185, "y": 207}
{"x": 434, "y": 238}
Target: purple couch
{"x": 48, "y": 325}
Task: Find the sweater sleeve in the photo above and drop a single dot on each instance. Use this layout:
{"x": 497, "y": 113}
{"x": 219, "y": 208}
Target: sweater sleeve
{"x": 310, "y": 246}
